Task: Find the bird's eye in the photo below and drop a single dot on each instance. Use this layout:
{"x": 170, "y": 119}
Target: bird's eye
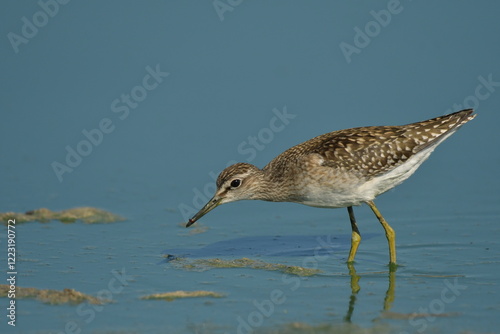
{"x": 235, "y": 183}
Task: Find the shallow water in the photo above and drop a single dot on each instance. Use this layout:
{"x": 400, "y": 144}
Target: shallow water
{"x": 447, "y": 276}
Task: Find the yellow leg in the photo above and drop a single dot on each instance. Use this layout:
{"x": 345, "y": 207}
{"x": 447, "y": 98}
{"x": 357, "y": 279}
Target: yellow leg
{"x": 389, "y": 233}
{"x": 355, "y": 236}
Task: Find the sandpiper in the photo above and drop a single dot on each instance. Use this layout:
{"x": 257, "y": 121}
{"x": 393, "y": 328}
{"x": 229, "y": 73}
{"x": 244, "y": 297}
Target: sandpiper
{"x": 340, "y": 169}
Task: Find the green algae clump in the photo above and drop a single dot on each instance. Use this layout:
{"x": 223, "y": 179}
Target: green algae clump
{"x": 169, "y": 296}
{"x": 205, "y": 264}
{"x": 88, "y": 215}
{"x": 53, "y": 297}
{"x": 342, "y": 328}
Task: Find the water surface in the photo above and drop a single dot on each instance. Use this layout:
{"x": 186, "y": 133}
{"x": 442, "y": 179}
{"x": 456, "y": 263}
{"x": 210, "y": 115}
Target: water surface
{"x": 246, "y": 88}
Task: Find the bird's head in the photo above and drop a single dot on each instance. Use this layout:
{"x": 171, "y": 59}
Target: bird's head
{"x": 235, "y": 183}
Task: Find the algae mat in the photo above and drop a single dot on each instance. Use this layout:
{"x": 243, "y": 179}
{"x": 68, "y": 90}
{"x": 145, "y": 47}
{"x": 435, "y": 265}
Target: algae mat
{"x": 88, "y": 215}
{"x": 206, "y": 264}
{"x": 48, "y": 296}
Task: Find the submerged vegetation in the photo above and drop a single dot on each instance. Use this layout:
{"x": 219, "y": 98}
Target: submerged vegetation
{"x": 169, "y": 296}
{"x": 88, "y": 215}
{"x": 206, "y": 264}
{"x": 300, "y": 328}
{"x": 53, "y": 297}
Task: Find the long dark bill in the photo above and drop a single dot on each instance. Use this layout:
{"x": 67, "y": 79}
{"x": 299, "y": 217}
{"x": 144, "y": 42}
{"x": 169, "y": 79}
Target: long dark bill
{"x": 212, "y": 204}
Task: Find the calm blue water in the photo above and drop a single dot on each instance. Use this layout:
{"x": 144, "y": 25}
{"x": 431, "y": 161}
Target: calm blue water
{"x": 135, "y": 108}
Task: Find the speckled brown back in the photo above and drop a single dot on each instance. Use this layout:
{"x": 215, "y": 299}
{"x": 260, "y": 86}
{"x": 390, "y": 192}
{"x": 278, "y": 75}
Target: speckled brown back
{"x": 374, "y": 150}
{"x": 378, "y": 149}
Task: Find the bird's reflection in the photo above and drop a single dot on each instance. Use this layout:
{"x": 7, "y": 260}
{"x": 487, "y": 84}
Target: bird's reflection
{"x": 355, "y": 288}
{"x": 354, "y": 291}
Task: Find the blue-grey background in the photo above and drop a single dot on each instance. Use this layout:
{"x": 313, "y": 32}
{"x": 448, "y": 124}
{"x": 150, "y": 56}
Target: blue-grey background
{"x": 228, "y": 71}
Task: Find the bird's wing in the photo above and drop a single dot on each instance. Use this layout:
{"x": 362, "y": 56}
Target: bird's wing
{"x": 368, "y": 150}
{"x": 375, "y": 150}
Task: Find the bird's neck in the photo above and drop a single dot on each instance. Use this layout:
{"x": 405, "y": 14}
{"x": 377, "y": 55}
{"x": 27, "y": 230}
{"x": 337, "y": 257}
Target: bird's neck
{"x": 268, "y": 187}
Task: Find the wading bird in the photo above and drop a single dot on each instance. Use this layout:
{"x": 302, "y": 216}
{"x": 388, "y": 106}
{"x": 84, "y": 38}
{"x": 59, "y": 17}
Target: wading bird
{"x": 340, "y": 169}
